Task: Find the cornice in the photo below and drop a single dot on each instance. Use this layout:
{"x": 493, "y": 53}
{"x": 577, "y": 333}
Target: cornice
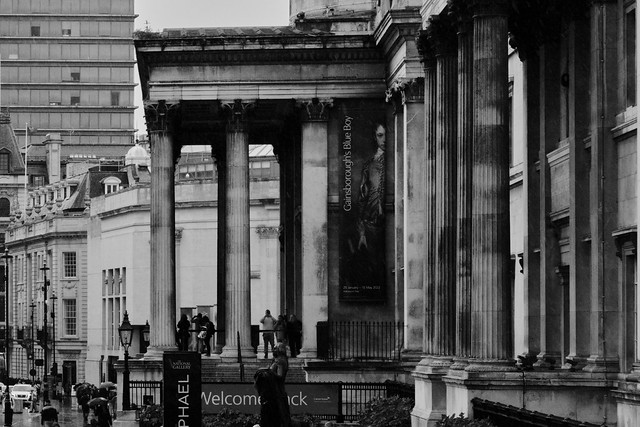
{"x": 397, "y": 27}
{"x": 265, "y": 56}
{"x": 75, "y": 108}
{"x": 49, "y": 236}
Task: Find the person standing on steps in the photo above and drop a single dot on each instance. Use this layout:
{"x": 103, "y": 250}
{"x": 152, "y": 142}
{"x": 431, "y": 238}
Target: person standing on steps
{"x": 294, "y": 333}
{"x": 268, "y": 326}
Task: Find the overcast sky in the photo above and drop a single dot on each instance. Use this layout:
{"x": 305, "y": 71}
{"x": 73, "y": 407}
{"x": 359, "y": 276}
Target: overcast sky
{"x": 160, "y": 14}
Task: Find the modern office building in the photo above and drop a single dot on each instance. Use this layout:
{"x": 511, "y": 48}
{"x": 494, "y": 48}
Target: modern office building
{"x": 67, "y": 68}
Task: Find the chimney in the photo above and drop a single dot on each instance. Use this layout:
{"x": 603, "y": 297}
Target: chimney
{"x": 53, "y": 142}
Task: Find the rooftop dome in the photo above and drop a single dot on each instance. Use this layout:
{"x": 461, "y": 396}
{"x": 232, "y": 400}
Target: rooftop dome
{"x": 137, "y": 156}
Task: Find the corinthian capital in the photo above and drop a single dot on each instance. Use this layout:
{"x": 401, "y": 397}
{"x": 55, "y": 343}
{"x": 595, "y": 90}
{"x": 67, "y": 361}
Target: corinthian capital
{"x": 315, "y": 110}
{"x": 489, "y": 7}
{"x": 238, "y": 112}
{"x": 441, "y": 31}
{"x": 160, "y": 115}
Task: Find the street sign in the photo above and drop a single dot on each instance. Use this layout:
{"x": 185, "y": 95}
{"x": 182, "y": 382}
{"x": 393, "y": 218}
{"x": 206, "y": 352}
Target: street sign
{"x": 32, "y": 372}
{"x": 39, "y": 362}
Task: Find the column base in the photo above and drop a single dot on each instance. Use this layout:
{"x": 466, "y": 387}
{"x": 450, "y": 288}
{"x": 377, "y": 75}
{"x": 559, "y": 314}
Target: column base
{"x": 491, "y": 365}
{"x": 230, "y": 354}
{"x": 596, "y": 363}
{"x": 548, "y": 360}
{"x": 431, "y": 395}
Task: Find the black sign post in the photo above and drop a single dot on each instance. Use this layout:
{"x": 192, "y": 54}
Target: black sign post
{"x": 182, "y": 389}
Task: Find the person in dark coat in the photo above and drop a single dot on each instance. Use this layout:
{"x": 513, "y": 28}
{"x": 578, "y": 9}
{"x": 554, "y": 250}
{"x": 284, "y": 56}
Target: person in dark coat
{"x": 274, "y": 406}
{"x": 210, "y": 329}
{"x": 183, "y": 333}
{"x": 294, "y": 333}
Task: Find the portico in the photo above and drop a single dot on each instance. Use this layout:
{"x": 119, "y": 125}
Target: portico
{"x": 228, "y": 90}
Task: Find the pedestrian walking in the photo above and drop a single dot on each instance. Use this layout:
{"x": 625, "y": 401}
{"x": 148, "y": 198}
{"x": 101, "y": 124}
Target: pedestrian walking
{"x": 268, "y": 326}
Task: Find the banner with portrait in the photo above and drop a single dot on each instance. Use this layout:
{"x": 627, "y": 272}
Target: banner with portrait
{"x": 362, "y": 139}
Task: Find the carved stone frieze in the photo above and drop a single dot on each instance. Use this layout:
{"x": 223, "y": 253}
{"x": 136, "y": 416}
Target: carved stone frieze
{"x": 315, "y": 110}
{"x": 265, "y": 232}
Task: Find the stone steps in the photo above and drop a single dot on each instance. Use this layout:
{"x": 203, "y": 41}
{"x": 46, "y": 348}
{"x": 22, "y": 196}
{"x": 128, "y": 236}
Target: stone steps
{"x": 214, "y": 370}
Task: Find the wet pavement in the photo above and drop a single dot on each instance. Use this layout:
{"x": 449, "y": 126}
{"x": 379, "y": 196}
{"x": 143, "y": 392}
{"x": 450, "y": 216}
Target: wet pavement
{"x": 68, "y": 416}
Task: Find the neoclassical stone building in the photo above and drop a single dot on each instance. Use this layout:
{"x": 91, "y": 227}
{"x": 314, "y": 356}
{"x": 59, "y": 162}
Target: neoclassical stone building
{"x": 492, "y": 211}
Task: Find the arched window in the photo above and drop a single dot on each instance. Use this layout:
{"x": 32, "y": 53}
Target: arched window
{"x": 5, "y": 207}
{"x": 111, "y": 184}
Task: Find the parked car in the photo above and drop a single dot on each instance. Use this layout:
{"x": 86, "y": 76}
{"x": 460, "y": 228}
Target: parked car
{"x": 22, "y": 395}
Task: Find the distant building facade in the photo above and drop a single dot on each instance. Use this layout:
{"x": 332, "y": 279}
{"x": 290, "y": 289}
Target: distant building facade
{"x": 67, "y": 68}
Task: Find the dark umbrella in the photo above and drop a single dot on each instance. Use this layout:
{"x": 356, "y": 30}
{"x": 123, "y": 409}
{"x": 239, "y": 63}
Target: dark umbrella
{"x": 97, "y": 401}
{"x": 108, "y": 385}
{"x": 49, "y": 413}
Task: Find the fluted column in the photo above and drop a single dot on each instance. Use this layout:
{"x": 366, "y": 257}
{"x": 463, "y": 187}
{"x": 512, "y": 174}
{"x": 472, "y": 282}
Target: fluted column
{"x": 315, "y": 292}
{"x": 162, "y": 229}
{"x": 464, "y": 185}
{"x": 238, "y": 265}
{"x": 491, "y": 324}
{"x": 219, "y": 151}
{"x": 429, "y": 62}
{"x": 603, "y": 189}
{"x": 444, "y": 43}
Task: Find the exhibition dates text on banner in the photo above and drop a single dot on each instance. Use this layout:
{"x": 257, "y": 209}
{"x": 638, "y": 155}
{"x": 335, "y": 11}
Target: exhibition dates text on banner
{"x": 317, "y": 399}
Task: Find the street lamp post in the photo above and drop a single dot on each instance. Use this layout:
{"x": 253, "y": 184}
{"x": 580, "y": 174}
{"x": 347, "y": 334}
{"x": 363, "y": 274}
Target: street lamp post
{"x": 8, "y": 411}
{"x": 45, "y": 385}
{"x": 31, "y": 348}
{"x": 145, "y": 335}
{"x": 54, "y": 365}
{"x": 126, "y": 331}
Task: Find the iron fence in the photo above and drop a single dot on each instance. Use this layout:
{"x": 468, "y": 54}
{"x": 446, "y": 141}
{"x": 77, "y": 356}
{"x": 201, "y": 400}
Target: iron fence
{"x": 360, "y": 340}
{"x": 144, "y": 393}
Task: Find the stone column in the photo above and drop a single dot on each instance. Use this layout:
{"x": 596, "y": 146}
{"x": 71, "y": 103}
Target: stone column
{"x": 238, "y": 265}
{"x": 603, "y": 188}
{"x": 219, "y": 152}
{"x": 315, "y": 292}
{"x": 162, "y": 320}
{"x": 430, "y": 390}
{"x": 412, "y": 93}
{"x": 550, "y": 289}
{"x": 464, "y": 189}
{"x": 444, "y": 45}
{"x": 491, "y": 325}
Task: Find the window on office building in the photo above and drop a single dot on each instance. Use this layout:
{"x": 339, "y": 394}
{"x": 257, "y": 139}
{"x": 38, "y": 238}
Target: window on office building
{"x": 75, "y": 76}
{"x": 70, "y": 317}
{"x": 75, "y": 100}
{"x": 35, "y": 31}
{"x": 70, "y": 268}
{"x": 66, "y": 32}
{"x": 115, "y": 98}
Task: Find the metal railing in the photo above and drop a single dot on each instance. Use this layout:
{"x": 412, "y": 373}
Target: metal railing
{"x": 503, "y": 415}
{"x": 143, "y": 393}
{"x": 360, "y": 340}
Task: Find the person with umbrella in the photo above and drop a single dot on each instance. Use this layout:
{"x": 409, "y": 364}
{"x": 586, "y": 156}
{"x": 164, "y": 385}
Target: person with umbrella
{"x": 112, "y": 397}
{"x": 84, "y": 393}
{"x": 48, "y": 416}
{"x": 100, "y": 406}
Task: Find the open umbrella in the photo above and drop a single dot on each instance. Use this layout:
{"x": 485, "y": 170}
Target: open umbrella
{"x": 96, "y": 401}
{"x": 108, "y": 385}
{"x": 49, "y": 413}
